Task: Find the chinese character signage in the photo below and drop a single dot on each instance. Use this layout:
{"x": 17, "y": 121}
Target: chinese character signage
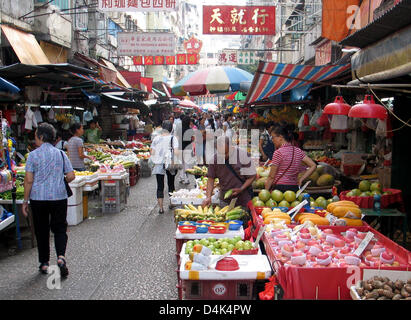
{"x": 137, "y": 5}
{"x": 156, "y": 44}
{"x": 184, "y": 58}
{"x": 247, "y": 57}
{"x": 228, "y": 57}
{"x": 323, "y": 53}
{"x": 193, "y": 45}
{"x": 239, "y": 20}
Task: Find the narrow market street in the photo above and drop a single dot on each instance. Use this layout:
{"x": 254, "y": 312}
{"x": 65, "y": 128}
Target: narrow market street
{"x": 111, "y": 256}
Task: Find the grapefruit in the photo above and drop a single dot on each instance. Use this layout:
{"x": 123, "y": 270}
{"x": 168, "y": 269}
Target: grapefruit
{"x": 259, "y": 203}
{"x": 321, "y": 202}
{"x": 255, "y": 199}
{"x": 356, "y": 192}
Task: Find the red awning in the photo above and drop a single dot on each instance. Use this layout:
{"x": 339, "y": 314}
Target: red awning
{"x": 273, "y": 78}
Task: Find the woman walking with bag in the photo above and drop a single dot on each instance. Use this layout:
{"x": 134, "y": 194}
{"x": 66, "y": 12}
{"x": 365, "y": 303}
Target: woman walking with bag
{"x": 44, "y": 185}
{"x": 287, "y": 162}
{"x": 161, "y": 147}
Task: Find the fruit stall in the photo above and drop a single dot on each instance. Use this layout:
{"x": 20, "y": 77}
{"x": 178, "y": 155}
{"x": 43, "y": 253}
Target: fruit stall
{"x": 217, "y": 258}
{"x": 327, "y": 239}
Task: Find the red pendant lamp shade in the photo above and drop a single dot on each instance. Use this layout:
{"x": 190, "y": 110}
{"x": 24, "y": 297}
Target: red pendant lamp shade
{"x": 253, "y": 115}
{"x": 368, "y": 109}
{"x": 338, "y": 107}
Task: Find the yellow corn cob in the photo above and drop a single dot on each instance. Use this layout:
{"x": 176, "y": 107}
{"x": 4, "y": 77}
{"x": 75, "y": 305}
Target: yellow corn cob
{"x": 192, "y": 207}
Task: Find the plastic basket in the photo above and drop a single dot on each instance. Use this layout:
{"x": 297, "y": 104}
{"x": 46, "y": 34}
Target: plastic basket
{"x": 368, "y": 202}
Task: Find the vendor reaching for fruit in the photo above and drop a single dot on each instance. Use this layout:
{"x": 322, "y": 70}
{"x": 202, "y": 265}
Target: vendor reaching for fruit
{"x": 235, "y": 171}
{"x": 287, "y": 162}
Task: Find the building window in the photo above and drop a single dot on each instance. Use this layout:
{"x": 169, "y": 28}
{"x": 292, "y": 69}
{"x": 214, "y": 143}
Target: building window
{"x": 62, "y": 4}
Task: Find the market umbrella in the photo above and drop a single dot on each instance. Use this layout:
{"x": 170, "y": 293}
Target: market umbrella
{"x": 189, "y": 104}
{"x": 213, "y": 80}
{"x": 238, "y": 96}
{"x": 209, "y": 107}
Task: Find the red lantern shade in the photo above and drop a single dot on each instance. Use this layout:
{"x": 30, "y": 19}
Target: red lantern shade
{"x": 368, "y": 109}
{"x": 338, "y": 107}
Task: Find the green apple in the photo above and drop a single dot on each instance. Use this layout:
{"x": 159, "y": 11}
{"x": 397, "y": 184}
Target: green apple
{"x": 224, "y": 245}
{"x": 217, "y": 253}
{"x": 204, "y": 242}
{"x": 217, "y": 245}
{"x": 248, "y": 246}
{"x": 190, "y": 243}
{"x": 212, "y": 239}
{"x": 239, "y": 245}
{"x": 196, "y": 241}
{"x": 230, "y": 247}
{"x": 237, "y": 238}
{"x": 223, "y": 251}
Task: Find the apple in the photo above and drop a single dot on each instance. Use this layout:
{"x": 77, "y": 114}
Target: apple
{"x": 300, "y": 245}
{"x": 230, "y": 247}
{"x": 248, "y": 246}
{"x": 345, "y": 250}
{"x": 304, "y": 230}
{"x": 224, "y": 245}
{"x": 239, "y": 245}
{"x": 339, "y": 243}
{"x": 312, "y": 243}
{"x": 361, "y": 235}
{"x": 212, "y": 239}
{"x": 223, "y": 251}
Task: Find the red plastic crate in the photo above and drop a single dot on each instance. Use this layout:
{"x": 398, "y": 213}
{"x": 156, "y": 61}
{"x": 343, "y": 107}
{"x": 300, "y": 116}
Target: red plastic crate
{"x": 327, "y": 283}
{"x": 368, "y": 202}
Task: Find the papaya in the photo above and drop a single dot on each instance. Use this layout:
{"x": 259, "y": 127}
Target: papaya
{"x": 316, "y": 220}
{"x": 340, "y": 212}
{"x": 333, "y": 205}
{"x": 353, "y": 222}
{"x": 268, "y": 220}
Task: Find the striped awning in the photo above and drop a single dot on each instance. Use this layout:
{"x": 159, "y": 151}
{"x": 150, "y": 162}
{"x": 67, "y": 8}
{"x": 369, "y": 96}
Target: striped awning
{"x": 273, "y": 78}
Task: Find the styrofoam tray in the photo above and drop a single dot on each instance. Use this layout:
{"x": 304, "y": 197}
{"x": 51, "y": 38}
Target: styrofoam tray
{"x": 5, "y": 223}
{"x": 90, "y": 188}
{"x": 194, "y": 236}
{"x": 252, "y": 267}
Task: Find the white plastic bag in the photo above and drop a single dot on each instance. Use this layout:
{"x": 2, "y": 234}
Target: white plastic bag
{"x": 381, "y": 130}
{"x": 314, "y": 118}
{"x": 339, "y": 123}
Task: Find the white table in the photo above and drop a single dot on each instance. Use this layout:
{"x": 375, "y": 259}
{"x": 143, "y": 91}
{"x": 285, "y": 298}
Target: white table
{"x": 252, "y": 267}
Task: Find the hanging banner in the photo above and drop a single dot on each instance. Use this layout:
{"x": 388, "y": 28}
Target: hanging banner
{"x": 156, "y": 44}
{"x": 159, "y": 60}
{"x": 137, "y": 5}
{"x": 239, "y": 20}
{"x": 182, "y": 58}
{"x": 170, "y": 60}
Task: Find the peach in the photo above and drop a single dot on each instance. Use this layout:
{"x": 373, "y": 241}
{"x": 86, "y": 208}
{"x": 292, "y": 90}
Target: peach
{"x": 339, "y": 243}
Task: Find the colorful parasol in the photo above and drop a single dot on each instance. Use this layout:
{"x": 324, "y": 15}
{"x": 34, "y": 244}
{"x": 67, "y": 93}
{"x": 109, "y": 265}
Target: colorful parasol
{"x": 212, "y": 80}
{"x": 189, "y": 104}
{"x": 237, "y": 96}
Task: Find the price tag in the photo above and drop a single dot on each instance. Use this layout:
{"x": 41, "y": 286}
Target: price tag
{"x": 364, "y": 243}
{"x": 332, "y": 219}
{"x": 20, "y": 156}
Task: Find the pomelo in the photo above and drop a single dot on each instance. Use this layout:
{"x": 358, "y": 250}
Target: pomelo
{"x": 356, "y": 192}
{"x": 301, "y": 196}
{"x": 364, "y": 185}
{"x": 277, "y": 196}
{"x": 284, "y": 204}
{"x": 365, "y": 194}
{"x": 264, "y": 195}
{"x": 271, "y": 203}
{"x": 289, "y": 196}
{"x": 376, "y": 186}
{"x": 321, "y": 202}
{"x": 260, "y": 184}
{"x": 259, "y": 203}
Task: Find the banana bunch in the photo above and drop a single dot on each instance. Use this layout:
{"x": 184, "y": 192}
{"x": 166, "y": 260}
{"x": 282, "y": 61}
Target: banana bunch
{"x": 217, "y": 214}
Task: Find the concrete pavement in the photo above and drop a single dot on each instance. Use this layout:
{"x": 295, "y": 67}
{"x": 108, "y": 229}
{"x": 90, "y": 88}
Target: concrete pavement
{"x": 130, "y": 255}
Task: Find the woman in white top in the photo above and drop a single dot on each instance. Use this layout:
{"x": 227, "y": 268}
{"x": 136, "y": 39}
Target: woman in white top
{"x": 227, "y": 126}
{"x": 159, "y": 150}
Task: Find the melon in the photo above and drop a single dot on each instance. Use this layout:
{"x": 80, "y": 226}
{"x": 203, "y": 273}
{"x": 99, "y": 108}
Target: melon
{"x": 289, "y": 196}
{"x": 325, "y": 180}
{"x": 295, "y": 203}
{"x": 355, "y": 192}
{"x": 284, "y": 204}
{"x": 259, "y": 203}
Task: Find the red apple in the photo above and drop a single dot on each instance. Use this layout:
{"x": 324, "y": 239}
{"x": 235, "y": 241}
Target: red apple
{"x": 387, "y": 255}
{"x": 349, "y": 240}
{"x": 299, "y": 245}
{"x": 304, "y": 230}
{"x": 312, "y": 243}
{"x": 288, "y": 248}
{"x": 343, "y": 265}
{"x": 345, "y": 250}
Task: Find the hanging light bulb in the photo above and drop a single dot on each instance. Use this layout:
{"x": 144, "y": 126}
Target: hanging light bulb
{"x": 338, "y": 107}
{"x": 368, "y": 109}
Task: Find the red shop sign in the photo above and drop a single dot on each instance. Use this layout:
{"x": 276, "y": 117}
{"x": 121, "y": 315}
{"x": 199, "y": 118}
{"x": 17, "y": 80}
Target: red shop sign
{"x": 240, "y": 20}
